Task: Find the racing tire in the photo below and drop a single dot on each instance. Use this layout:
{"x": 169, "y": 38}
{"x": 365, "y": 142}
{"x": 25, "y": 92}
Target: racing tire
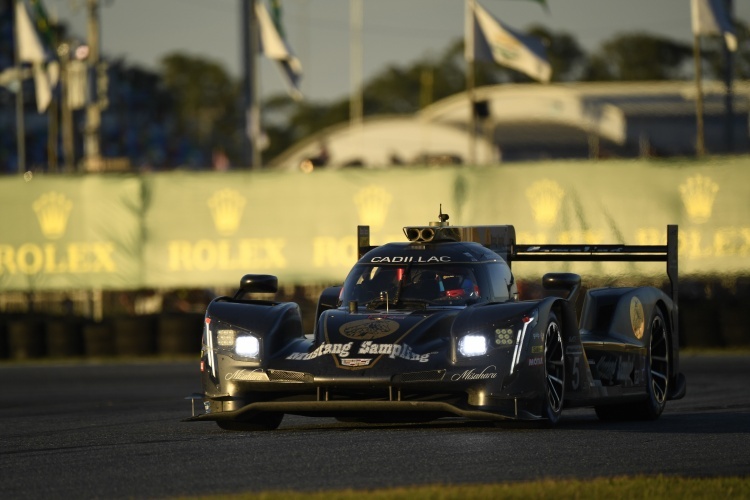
{"x": 260, "y": 422}
{"x": 554, "y": 371}
{"x": 657, "y": 378}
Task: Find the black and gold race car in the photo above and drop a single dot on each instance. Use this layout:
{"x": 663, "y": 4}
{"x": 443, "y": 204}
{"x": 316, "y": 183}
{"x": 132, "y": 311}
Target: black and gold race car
{"x": 433, "y": 327}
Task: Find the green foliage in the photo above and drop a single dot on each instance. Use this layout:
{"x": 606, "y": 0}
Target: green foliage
{"x": 208, "y": 108}
{"x": 617, "y": 488}
{"x": 714, "y": 59}
{"x": 565, "y": 55}
{"x": 640, "y": 57}
{"x": 205, "y": 100}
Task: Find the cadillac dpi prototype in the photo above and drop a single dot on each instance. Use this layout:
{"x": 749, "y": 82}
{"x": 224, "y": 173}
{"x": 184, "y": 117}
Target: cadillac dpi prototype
{"x": 433, "y": 327}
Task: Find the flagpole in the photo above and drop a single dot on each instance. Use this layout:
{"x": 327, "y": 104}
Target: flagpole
{"x": 470, "y": 52}
{"x": 92, "y": 148}
{"x": 249, "y": 52}
{"x": 20, "y": 124}
{"x": 356, "y": 15}
{"x": 699, "y": 142}
{"x": 728, "y": 81}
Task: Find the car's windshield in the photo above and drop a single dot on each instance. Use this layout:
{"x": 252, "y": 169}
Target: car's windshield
{"x": 374, "y": 285}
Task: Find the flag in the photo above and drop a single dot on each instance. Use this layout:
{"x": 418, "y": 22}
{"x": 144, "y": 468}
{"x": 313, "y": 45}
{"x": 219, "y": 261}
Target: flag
{"x": 276, "y": 16}
{"x": 487, "y": 39}
{"x": 43, "y": 25}
{"x": 43, "y": 88}
{"x": 31, "y": 50}
{"x": 710, "y": 18}
{"x": 273, "y": 46}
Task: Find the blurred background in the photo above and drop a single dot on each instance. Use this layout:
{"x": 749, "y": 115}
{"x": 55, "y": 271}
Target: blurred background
{"x": 147, "y": 104}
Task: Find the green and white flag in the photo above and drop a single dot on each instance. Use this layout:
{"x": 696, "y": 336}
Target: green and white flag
{"x": 273, "y": 46}
{"x": 487, "y": 39}
{"x": 709, "y": 17}
{"x": 31, "y": 50}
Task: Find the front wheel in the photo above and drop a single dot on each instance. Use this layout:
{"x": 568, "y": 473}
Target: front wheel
{"x": 554, "y": 371}
{"x": 260, "y": 422}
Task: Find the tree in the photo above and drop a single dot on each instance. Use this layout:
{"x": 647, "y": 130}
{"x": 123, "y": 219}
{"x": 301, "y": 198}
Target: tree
{"x": 639, "y": 57}
{"x": 713, "y": 54}
{"x": 205, "y": 102}
{"x": 566, "y": 57}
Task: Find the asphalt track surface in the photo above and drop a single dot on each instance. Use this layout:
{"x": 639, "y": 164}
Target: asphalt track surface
{"x": 114, "y": 431}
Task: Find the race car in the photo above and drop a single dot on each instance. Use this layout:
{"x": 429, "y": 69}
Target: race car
{"x": 433, "y": 327}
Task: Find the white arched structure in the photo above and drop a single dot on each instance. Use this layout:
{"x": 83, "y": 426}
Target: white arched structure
{"x": 534, "y": 121}
{"x": 384, "y": 141}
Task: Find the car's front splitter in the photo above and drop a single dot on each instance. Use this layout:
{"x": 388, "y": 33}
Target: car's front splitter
{"x": 347, "y": 408}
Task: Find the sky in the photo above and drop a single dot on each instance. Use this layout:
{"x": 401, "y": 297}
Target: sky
{"x": 394, "y": 32}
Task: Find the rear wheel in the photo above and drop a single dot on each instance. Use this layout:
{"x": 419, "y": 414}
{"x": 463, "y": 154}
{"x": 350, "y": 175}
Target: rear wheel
{"x": 658, "y": 369}
{"x": 657, "y": 378}
{"x": 260, "y": 422}
{"x": 554, "y": 371}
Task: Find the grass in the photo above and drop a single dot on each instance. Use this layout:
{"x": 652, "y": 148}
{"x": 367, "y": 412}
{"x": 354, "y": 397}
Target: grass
{"x": 640, "y": 487}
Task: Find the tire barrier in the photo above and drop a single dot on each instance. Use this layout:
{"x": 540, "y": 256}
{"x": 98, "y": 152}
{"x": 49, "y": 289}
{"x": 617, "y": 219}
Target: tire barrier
{"x": 699, "y": 325}
{"x": 179, "y": 333}
{"x": 3, "y": 338}
{"x": 735, "y": 329}
{"x": 98, "y": 340}
{"x": 706, "y": 321}
{"x": 31, "y": 337}
{"x": 134, "y": 335}
{"x": 64, "y": 337}
{"x": 26, "y": 338}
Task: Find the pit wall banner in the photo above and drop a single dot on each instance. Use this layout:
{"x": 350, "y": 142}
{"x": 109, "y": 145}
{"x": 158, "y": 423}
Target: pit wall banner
{"x": 207, "y": 229}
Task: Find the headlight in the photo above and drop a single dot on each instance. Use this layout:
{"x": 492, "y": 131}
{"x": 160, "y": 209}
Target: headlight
{"x": 225, "y": 337}
{"x": 229, "y": 339}
{"x": 247, "y": 346}
{"x": 505, "y": 336}
{"x": 472, "y": 345}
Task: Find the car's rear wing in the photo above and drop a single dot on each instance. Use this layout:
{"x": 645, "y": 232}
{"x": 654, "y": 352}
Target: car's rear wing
{"x": 502, "y": 240}
{"x": 606, "y": 253}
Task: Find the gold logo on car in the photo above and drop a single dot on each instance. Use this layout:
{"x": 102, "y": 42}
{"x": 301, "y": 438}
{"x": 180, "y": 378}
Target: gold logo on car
{"x": 368, "y": 329}
{"x": 637, "y": 319}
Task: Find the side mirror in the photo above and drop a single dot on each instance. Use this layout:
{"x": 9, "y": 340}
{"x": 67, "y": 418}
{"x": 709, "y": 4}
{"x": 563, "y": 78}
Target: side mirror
{"x": 569, "y": 282}
{"x": 257, "y": 283}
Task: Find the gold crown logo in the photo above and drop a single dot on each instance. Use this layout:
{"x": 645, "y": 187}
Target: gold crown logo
{"x": 545, "y": 197}
{"x": 372, "y": 206}
{"x": 52, "y": 210}
{"x": 698, "y": 194}
{"x": 226, "y": 208}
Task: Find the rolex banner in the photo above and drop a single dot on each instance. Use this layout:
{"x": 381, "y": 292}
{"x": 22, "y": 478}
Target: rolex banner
{"x": 174, "y": 230}
{"x": 70, "y": 233}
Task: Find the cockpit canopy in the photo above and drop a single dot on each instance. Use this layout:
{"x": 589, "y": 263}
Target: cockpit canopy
{"x": 375, "y": 284}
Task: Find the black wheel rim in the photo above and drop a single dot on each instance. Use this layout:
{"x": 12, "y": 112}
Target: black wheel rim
{"x": 659, "y": 360}
{"x": 555, "y": 367}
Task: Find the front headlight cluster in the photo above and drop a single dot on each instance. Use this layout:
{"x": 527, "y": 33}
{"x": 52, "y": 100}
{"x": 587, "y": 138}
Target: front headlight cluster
{"x": 235, "y": 340}
{"x": 477, "y": 344}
